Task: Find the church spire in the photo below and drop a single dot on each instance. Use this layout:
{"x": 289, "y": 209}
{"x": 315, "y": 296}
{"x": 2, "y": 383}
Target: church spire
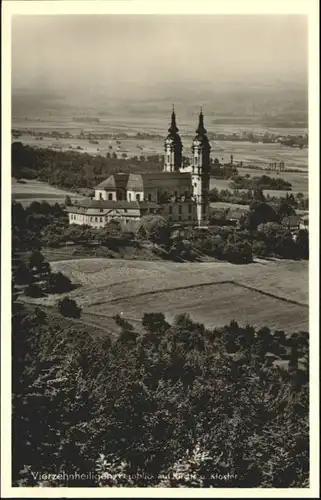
{"x": 173, "y": 128}
{"x": 201, "y": 130}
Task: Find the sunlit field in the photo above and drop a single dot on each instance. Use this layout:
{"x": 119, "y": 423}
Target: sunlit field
{"x": 271, "y": 293}
{"x": 32, "y": 190}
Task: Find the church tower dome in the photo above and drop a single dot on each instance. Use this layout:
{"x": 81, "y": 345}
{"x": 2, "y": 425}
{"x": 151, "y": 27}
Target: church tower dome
{"x": 173, "y": 147}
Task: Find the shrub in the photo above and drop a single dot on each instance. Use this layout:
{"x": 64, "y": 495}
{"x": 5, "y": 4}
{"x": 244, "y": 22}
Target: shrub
{"x": 238, "y": 252}
{"x": 69, "y": 308}
{"x": 260, "y": 249}
{"x": 58, "y": 283}
{"x": 22, "y": 275}
{"x": 156, "y": 228}
{"x": 33, "y": 290}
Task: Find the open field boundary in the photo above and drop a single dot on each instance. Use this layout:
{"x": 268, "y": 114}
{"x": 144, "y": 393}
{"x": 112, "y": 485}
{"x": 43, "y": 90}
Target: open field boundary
{"x": 197, "y": 285}
{"x": 268, "y": 294}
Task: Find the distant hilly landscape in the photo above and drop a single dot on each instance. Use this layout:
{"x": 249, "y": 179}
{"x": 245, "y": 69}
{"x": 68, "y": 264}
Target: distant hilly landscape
{"x": 278, "y": 104}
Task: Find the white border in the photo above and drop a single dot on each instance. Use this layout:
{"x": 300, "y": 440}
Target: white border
{"x": 11, "y": 7}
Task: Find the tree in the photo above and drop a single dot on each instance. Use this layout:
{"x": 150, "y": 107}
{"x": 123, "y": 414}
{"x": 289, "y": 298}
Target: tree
{"x": 36, "y": 261}
{"x": 58, "y": 283}
{"x": 22, "y": 275}
{"x": 156, "y": 228}
{"x": 68, "y": 307}
{"x": 258, "y": 195}
{"x": 155, "y": 323}
{"x": 34, "y": 290}
{"x": 259, "y": 213}
{"x": 302, "y": 244}
{"x": 238, "y": 252}
{"x": 67, "y": 201}
{"x": 285, "y": 210}
{"x": 278, "y": 239}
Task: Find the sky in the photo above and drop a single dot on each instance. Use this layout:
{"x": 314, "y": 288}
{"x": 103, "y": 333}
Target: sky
{"x": 112, "y": 51}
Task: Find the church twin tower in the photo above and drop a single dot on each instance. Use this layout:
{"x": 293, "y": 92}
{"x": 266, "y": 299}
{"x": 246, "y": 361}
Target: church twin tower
{"x": 200, "y": 163}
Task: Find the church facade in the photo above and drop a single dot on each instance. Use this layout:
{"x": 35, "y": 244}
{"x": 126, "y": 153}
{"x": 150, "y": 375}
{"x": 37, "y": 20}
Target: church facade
{"x": 178, "y": 193}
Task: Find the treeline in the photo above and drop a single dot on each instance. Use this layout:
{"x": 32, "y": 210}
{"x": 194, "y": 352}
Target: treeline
{"x": 260, "y": 233}
{"x": 246, "y": 197}
{"x": 71, "y": 169}
{"x": 34, "y": 277}
{"x": 177, "y": 405}
{"x": 262, "y": 182}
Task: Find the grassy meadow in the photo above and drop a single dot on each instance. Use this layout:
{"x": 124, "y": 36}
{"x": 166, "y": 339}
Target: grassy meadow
{"x": 213, "y": 292}
{"x": 33, "y": 190}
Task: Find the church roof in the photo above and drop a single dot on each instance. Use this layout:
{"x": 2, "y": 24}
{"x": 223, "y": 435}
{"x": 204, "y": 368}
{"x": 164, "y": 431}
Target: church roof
{"x": 201, "y": 137}
{"x": 173, "y": 127}
{"x": 201, "y": 130}
{"x": 156, "y": 179}
{"x": 144, "y": 180}
{"x": 114, "y": 181}
{"x": 135, "y": 182}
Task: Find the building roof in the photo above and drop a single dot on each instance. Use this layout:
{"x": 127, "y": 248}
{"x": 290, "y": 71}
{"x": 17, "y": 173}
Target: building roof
{"x": 105, "y": 204}
{"x": 135, "y": 182}
{"x": 113, "y": 182}
{"x": 291, "y": 220}
{"x": 108, "y": 183}
{"x": 144, "y": 180}
{"x": 236, "y": 213}
{"x": 99, "y": 212}
{"x": 88, "y": 206}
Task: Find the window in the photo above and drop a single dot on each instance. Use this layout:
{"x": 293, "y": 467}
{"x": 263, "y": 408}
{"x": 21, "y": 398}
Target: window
{"x": 101, "y": 219}
{"x": 168, "y": 158}
{"x": 100, "y": 195}
{"x": 170, "y": 218}
{"x": 110, "y": 196}
{"x": 179, "y": 218}
{"x": 180, "y": 209}
{"x": 125, "y": 210}
{"x": 175, "y": 194}
{"x": 195, "y": 184}
{"x": 189, "y": 217}
{"x": 170, "y": 209}
{"x": 149, "y": 197}
{"x": 138, "y": 197}
{"x": 129, "y": 196}
{"x": 196, "y": 160}
{"x": 189, "y": 209}
{"x": 96, "y": 219}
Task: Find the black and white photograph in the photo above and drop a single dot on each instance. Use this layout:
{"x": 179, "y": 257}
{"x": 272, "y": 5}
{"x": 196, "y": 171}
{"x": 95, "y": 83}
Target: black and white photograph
{"x": 159, "y": 266}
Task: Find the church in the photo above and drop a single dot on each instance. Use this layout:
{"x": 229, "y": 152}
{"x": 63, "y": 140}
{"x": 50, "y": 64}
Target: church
{"x": 178, "y": 193}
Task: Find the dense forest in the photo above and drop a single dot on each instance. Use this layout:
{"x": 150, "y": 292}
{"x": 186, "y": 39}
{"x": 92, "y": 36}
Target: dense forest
{"x": 175, "y": 405}
{"x": 71, "y": 169}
